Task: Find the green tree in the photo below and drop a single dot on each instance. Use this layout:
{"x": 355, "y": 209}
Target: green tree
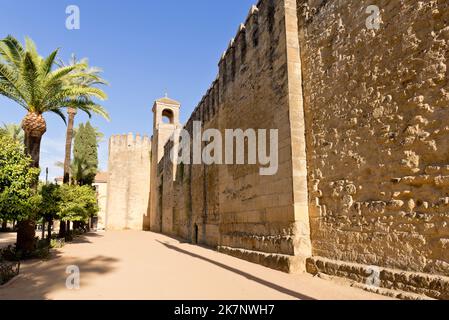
{"x": 85, "y": 154}
{"x": 35, "y": 84}
{"x": 98, "y": 134}
{"x": 17, "y": 178}
{"x": 78, "y": 203}
{"x": 50, "y": 204}
{"x": 13, "y": 131}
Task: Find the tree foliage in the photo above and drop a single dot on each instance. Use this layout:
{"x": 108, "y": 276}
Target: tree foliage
{"x": 85, "y": 155}
{"x": 34, "y": 83}
{"x": 14, "y": 131}
{"x": 40, "y": 86}
{"x": 50, "y": 201}
{"x": 17, "y": 197}
{"x": 78, "y": 203}
{"x": 92, "y": 78}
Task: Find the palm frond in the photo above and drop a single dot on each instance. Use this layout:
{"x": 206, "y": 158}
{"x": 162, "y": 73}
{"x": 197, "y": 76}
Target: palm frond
{"x": 29, "y": 77}
{"x": 14, "y": 131}
{"x": 60, "y": 114}
{"x": 10, "y": 79}
{"x": 36, "y": 84}
{"x": 96, "y": 108}
{"x": 8, "y": 74}
{"x": 49, "y": 62}
{"x": 72, "y": 93}
{"x": 30, "y": 46}
{"x": 59, "y": 74}
{"x": 59, "y": 164}
{"x": 89, "y": 107}
{"x": 11, "y": 50}
{"x": 10, "y": 92}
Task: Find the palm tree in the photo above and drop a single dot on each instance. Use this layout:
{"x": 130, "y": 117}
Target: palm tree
{"x": 91, "y": 77}
{"x": 34, "y": 83}
{"x": 79, "y": 169}
{"x": 14, "y": 131}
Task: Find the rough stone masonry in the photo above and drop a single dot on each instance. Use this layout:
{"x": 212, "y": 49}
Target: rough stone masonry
{"x": 362, "y": 114}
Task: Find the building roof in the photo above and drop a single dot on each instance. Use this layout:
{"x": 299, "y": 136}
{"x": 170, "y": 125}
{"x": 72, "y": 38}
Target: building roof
{"x": 167, "y": 100}
{"x": 101, "y": 177}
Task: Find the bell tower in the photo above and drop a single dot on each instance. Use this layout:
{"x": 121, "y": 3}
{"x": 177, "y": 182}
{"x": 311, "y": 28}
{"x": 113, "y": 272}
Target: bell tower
{"x": 165, "y": 123}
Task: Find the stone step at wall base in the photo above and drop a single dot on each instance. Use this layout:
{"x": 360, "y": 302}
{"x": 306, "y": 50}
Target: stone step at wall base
{"x": 281, "y": 262}
{"x": 393, "y": 282}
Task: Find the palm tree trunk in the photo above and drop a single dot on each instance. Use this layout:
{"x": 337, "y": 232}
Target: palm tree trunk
{"x": 26, "y": 229}
{"x": 67, "y": 160}
{"x": 34, "y": 127}
{"x": 68, "y": 144}
{"x": 33, "y": 149}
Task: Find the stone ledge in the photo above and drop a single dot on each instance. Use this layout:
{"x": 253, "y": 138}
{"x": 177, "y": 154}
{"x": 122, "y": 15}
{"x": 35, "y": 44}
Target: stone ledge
{"x": 393, "y": 282}
{"x": 281, "y": 262}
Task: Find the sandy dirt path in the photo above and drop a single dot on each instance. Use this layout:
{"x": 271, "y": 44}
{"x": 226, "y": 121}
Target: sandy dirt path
{"x": 7, "y": 239}
{"x": 144, "y": 265}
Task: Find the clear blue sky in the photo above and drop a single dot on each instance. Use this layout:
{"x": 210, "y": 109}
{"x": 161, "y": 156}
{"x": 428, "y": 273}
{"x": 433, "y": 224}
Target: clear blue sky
{"x": 145, "y": 47}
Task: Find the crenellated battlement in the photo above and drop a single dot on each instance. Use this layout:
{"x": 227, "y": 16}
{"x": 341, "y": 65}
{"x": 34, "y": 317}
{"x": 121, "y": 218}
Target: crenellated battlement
{"x": 234, "y": 60}
{"x": 251, "y": 18}
{"x": 129, "y": 141}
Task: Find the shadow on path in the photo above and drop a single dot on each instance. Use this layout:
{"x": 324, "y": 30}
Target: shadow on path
{"x": 84, "y": 238}
{"x": 240, "y": 272}
{"x": 40, "y": 279}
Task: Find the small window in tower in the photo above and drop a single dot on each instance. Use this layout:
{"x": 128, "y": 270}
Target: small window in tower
{"x": 167, "y": 116}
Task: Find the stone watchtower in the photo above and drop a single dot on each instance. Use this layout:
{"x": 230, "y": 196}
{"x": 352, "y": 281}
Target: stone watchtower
{"x": 166, "y": 121}
{"x": 129, "y": 180}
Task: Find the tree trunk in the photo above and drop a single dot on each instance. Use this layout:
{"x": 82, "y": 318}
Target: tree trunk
{"x": 33, "y": 149}
{"x": 26, "y": 232}
{"x": 4, "y": 225}
{"x": 43, "y": 230}
{"x": 26, "y": 236}
{"x": 49, "y": 231}
{"x": 68, "y": 235}
{"x": 34, "y": 126}
{"x": 68, "y": 144}
{"x": 62, "y": 229}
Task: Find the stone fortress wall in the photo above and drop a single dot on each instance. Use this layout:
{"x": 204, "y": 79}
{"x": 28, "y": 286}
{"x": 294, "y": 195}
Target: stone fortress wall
{"x": 233, "y": 207}
{"x": 363, "y": 145}
{"x": 128, "y": 182}
{"x": 377, "y": 111}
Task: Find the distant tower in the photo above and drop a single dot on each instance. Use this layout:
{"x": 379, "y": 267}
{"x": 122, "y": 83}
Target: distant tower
{"x": 165, "y": 122}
